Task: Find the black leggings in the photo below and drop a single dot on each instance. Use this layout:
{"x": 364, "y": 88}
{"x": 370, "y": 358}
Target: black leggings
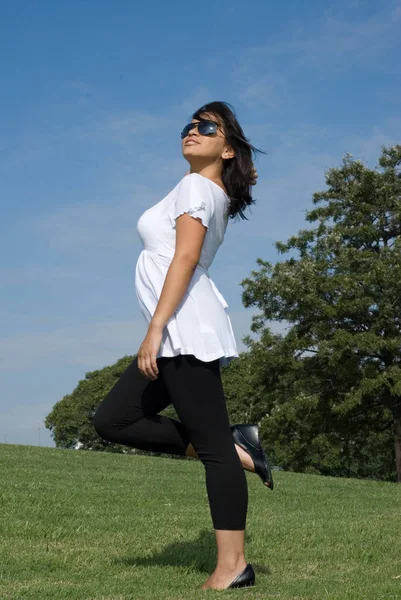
{"x": 128, "y": 415}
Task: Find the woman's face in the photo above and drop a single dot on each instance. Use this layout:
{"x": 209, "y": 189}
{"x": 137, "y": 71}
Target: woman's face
{"x": 210, "y": 147}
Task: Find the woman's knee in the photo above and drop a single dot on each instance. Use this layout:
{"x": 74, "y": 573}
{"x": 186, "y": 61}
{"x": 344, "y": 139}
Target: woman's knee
{"x": 102, "y": 425}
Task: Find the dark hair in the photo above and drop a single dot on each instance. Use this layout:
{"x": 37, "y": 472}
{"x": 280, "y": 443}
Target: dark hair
{"x": 237, "y": 171}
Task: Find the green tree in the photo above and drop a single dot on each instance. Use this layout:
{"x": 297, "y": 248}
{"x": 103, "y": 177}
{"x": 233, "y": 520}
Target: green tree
{"x": 298, "y": 428}
{"x": 340, "y": 293}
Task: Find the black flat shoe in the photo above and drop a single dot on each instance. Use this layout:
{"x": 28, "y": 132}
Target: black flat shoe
{"x": 244, "y": 579}
{"x": 247, "y": 437}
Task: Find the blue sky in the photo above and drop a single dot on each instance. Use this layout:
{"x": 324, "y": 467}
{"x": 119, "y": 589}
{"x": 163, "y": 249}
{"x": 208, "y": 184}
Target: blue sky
{"x": 94, "y": 96}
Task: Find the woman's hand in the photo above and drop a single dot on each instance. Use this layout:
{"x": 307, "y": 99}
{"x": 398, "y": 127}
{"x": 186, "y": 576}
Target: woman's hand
{"x": 147, "y": 352}
{"x": 254, "y": 176}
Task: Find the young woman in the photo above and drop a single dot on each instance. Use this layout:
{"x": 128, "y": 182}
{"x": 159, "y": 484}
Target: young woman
{"x": 190, "y": 335}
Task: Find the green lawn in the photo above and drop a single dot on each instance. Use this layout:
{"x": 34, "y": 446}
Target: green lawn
{"x": 82, "y": 525}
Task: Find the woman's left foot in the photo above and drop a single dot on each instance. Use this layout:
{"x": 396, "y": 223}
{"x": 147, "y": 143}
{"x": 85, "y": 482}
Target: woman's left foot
{"x": 247, "y": 437}
{"x": 222, "y": 579}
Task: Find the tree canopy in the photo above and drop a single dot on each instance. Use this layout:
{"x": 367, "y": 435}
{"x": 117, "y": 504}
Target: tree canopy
{"x": 340, "y": 293}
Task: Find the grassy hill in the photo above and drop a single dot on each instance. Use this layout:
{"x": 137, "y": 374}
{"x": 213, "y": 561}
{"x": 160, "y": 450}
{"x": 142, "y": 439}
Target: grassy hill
{"x": 82, "y": 525}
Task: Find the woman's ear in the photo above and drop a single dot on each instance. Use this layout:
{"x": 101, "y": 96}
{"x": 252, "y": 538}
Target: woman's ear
{"x": 228, "y": 153}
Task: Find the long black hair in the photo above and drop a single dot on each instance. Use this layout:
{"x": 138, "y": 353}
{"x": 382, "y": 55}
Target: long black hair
{"x": 237, "y": 171}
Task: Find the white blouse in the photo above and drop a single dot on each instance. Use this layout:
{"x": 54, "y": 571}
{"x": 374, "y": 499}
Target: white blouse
{"x": 200, "y": 325}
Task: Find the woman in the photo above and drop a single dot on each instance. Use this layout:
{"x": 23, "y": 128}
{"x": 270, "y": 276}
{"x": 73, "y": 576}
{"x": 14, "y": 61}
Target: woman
{"x": 190, "y": 335}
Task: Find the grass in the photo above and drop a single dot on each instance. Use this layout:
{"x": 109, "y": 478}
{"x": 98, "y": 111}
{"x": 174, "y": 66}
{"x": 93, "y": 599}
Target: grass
{"x": 80, "y": 525}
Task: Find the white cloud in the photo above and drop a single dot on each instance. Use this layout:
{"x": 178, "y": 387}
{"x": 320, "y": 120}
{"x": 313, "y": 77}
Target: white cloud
{"x": 45, "y": 274}
{"x": 338, "y": 43}
{"x": 263, "y": 92}
{"x": 94, "y": 225}
{"x": 197, "y": 98}
{"x": 28, "y": 418}
{"x": 122, "y": 126}
{"x": 90, "y": 345}
{"x": 368, "y": 147}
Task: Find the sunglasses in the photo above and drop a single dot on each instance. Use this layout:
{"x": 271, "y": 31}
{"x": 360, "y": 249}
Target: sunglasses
{"x": 204, "y": 128}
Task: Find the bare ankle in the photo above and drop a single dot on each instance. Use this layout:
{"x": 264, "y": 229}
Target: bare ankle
{"x": 245, "y": 458}
{"x": 190, "y": 451}
{"x": 231, "y": 564}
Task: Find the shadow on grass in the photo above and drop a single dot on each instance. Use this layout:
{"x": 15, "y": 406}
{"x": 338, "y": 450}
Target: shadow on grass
{"x": 193, "y": 553}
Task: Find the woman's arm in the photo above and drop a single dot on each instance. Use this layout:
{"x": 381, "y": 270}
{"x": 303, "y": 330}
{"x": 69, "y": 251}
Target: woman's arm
{"x": 190, "y": 234}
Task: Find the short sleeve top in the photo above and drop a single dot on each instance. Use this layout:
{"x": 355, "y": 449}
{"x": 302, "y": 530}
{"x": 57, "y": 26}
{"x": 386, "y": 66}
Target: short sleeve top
{"x": 200, "y": 325}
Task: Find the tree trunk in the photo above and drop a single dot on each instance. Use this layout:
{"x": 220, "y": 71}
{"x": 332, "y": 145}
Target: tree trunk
{"x": 397, "y": 438}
